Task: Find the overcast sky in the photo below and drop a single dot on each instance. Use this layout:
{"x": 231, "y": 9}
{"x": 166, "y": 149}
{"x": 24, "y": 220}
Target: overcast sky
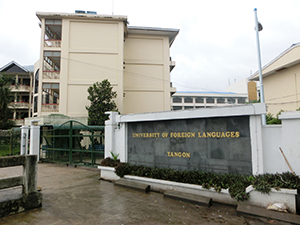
{"x": 216, "y": 44}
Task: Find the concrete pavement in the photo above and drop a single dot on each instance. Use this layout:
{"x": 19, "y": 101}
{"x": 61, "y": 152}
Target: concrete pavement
{"x": 77, "y": 196}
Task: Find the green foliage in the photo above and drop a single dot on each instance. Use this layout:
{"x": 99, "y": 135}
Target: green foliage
{"x": 273, "y": 120}
{"x": 238, "y": 191}
{"x": 101, "y": 97}
{"x": 110, "y": 162}
{"x": 10, "y": 142}
{"x": 236, "y": 183}
{"x": 115, "y": 156}
{"x": 5, "y": 99}
{"x": 264, "y": 183}
{"x": 254, "y": 101}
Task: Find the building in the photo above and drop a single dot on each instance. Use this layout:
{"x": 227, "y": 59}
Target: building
{"x": 194, "y": 100}
{"x": 281, "y": 81}
{"x": 21, "y": 89}
{"x": 79, "y": 49}
{"x": 244, "y": 87}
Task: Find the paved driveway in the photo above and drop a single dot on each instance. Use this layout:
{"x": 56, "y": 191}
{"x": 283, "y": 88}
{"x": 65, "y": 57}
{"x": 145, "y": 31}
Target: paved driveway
{"x": 77, "y": 196}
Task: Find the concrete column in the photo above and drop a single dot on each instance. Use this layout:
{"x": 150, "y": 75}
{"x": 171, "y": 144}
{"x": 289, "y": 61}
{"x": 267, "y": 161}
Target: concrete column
{"x": 256, "y": 144}
{"x": 35, "y": 139}
{"x": 30, "y": 174}
{"x": 24, "y": 140}
{"x": 110, "y": 126}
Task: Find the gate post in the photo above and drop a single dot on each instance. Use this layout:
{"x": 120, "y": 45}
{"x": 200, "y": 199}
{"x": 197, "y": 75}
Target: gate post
{"x": 35, "y": 139}
{"x": 110, "y": 126}
{"x": 24, "y": 140}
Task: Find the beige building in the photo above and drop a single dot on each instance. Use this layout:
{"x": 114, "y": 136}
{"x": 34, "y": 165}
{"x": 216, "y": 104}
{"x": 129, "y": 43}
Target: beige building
{"x": 21, "y": 90}
{"x": 281, "y": 81}
{"x": 80, "y": 49}
{"x": 195, "y": 100}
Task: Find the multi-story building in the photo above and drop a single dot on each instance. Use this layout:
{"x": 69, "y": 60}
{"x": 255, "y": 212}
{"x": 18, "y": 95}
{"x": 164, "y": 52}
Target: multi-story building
{"x": 79, "y": 49}
{"x": 281, "y": 81}
{"x": 21, "y": 89}
{"x": 194, "y": 100}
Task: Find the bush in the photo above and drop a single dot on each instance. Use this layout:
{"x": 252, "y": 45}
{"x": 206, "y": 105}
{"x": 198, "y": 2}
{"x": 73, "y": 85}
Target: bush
{"x": 236, "y": 183}
{"x": 110, "y": 162}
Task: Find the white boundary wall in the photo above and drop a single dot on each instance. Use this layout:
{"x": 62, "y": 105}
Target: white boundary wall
{"x": 116, "y": 128}
{"x": 286, "y": 137}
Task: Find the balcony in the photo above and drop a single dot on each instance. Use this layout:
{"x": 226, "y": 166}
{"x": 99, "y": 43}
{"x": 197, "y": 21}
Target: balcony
{"x": 172, "y": 65}
{"x": 51, "y": 75}
{"x": 50, "y": 107}
{"x": 19, "y": 105}
{"x": 20, "y": 88}
{"x": 50, "y": 43}
{"x": 19, "y": 122}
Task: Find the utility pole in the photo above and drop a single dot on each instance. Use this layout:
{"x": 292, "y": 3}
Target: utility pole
{"x": 258, "y": 27}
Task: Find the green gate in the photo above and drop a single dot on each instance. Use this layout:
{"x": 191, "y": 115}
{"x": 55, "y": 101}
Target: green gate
{"x": 72, "y": 143}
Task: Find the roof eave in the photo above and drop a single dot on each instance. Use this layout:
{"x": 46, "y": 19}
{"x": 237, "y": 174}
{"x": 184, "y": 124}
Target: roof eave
{"x": 170, "y": 32}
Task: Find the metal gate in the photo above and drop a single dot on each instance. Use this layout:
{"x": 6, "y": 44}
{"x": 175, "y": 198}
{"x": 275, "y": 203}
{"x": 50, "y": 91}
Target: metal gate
{"x": 72, "y": 143}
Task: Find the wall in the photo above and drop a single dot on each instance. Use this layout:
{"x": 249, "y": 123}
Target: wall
{"x": 282, "y": 90}
{"x": 118, "y": 133}
{"x": 271, "y": 136}
{"x": 95, "y": 52}
{"x": 290, "y": 140}
{"x": 146, "y": 74}
{"x": 286, "y": 137}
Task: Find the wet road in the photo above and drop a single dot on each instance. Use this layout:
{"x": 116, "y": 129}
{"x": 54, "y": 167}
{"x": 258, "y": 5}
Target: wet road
{"x": 77, "y": 196}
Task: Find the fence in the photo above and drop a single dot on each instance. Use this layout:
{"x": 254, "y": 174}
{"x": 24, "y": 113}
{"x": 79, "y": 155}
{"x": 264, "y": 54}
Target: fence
{"x": 10, "y": 142}
{"x": 72, "y": 143}
{"x": 30, "y": 198}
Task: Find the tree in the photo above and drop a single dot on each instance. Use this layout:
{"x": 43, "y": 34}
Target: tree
{"x": 5, "y": 99}
{"x": 101, "y": 96}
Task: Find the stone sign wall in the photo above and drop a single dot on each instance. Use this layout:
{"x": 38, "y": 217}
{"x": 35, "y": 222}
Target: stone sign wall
{"x": 220, "y": 145}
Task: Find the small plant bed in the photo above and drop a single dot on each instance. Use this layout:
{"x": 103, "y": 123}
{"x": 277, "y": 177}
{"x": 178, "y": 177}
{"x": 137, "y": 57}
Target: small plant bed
{"x": 235, "y": 183}
{"x": 110, "y": 162}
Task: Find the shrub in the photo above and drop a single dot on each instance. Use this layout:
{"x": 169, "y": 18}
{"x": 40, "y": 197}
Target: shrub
{"x": 236, "y": 183}
{"x": 110, "y": 162}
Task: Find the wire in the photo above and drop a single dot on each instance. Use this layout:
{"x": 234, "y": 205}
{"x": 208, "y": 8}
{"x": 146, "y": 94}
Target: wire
{"x": 134, "y": 74}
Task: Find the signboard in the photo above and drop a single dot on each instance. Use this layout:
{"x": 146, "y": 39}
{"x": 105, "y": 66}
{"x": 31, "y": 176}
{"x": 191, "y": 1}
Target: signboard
{"x": 220, "y": 145}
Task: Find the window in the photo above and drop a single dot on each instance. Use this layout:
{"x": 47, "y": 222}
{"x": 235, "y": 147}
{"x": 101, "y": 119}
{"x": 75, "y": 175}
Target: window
{"x": 188, "y": 107}
{"x": 241, "y": 100}
{"x": 177, "y": 100}
{"x": 57, "y": 22}
{"x": 188, "y": 100}
{"x": 177, "y": 108}
{"x": 210, "y": 100}
{"x": 51, "y": 61}
{"x": 199, "y": 100}
{"x": 35, "y": 105}
{"x": 220, "y": 100}
{"x": 53, "y": 29}
{"x": 50, "y": 93}
{"x": 36, "y": 81}
{"x": 231, "y": 100}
